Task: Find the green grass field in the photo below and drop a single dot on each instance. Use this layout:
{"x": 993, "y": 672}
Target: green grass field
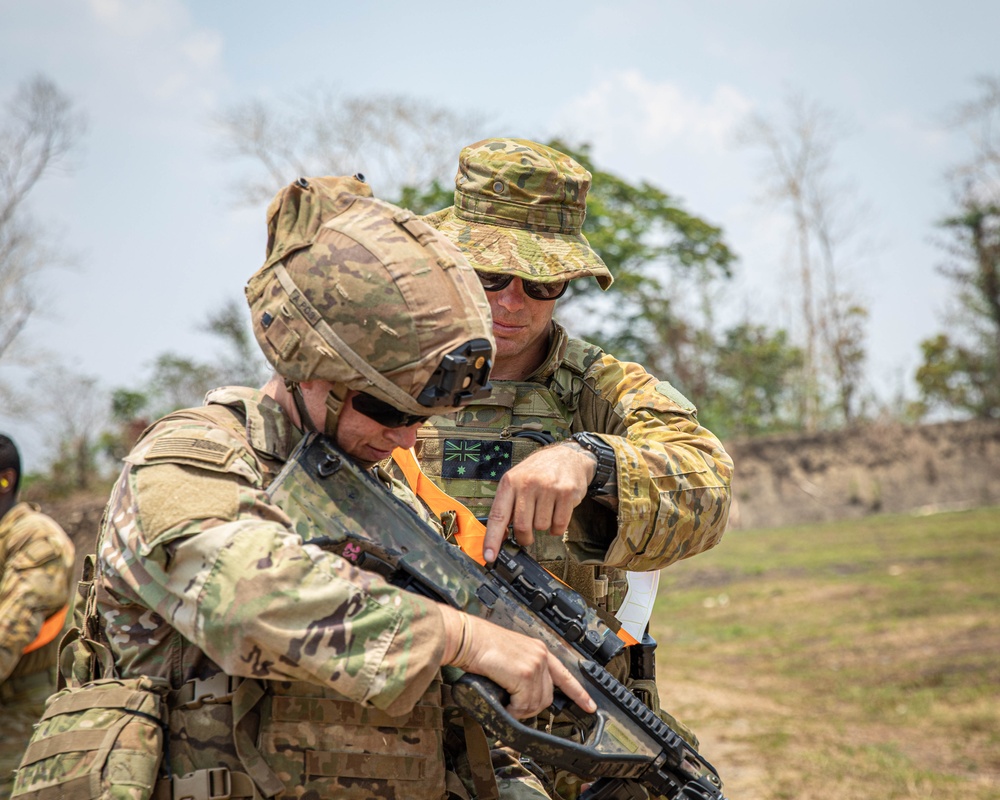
{"x": 852, "y": 660}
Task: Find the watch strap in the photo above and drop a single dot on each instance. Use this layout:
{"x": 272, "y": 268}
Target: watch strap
{"x": 605, "y": 455}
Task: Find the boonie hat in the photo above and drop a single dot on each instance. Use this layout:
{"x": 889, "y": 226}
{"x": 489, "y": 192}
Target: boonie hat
{"x": 519, "y": 208}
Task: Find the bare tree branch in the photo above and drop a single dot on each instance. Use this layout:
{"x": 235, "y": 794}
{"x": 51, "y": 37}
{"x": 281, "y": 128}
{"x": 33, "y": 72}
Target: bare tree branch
{"x": 796, "y": 164}
{"x": 39, "y": 133}
{"x": 395, "y": 141}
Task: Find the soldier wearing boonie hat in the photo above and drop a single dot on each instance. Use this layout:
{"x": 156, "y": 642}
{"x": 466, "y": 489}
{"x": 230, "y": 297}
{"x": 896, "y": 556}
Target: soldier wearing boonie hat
{"x": 291, "y": 671}
{"x": 571, "y": 441}
{"x": 519, "y": 210}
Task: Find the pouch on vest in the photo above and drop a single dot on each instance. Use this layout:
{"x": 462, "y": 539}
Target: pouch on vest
{"x": 99, "y": 741}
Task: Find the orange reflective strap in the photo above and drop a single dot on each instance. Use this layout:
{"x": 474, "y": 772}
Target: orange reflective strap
{"x": 471, "y": 532}
{"x": 50, "y": 630}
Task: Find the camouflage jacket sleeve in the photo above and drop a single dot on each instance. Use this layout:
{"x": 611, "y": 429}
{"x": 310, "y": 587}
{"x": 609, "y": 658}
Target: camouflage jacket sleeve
{"x": 201, "y": 545}
{"x": 37, "y": 572}
{"x": 672, "y": 492}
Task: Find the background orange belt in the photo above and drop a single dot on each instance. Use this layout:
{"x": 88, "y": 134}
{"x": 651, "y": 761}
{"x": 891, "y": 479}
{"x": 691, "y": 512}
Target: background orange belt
{"x": 50, "y": 630}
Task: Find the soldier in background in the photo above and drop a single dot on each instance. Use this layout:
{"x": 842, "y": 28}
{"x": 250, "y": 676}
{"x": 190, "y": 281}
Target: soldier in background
{"x": 204, "y": 582}
{"x": 607, "y": 461}
{"x": 36, "y": 573}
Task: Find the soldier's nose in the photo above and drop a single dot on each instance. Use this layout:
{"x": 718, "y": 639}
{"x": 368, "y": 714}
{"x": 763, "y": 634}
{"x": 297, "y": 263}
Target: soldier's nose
{"x": 404, "y": 437}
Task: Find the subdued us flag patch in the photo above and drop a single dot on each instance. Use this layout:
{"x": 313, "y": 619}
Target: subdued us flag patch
{"x": 476, "y": 460}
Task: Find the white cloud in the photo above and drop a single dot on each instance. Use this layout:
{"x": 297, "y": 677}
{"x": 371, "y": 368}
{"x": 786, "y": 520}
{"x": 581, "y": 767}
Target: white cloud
{"x": 150, "y": 54}
{"x": 139, "y": 18}
{"x": 632, "y": 110}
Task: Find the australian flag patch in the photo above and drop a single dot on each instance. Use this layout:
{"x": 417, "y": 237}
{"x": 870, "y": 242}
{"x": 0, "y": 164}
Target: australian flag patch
{"x": 476, "y": 459}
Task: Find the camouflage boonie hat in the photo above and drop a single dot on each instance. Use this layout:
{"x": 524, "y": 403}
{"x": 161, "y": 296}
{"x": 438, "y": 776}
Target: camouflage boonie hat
{"x": 519, "y": 208}
{"x": 358, "y": 292}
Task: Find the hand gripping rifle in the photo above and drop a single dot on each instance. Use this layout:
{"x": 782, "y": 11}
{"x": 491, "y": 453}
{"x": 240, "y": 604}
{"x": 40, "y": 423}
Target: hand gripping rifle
{"x": 624, "y": 747}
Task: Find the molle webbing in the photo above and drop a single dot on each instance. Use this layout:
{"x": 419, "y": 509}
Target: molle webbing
{"x": 328, "y": 711}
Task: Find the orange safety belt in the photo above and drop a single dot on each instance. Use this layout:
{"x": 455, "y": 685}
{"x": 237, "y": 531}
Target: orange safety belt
{"x": 471, "y": 532}
{"x": 50, "y": 630}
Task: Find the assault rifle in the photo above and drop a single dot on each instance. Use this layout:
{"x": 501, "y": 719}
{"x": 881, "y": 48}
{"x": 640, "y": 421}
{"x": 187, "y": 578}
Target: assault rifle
{"x": 625, "y": 748}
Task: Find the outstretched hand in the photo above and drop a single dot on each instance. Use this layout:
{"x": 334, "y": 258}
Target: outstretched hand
{"x": 539, "y": 494}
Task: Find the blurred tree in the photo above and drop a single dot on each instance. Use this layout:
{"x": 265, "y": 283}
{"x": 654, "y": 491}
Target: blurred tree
{"x": 39, "y": 130}
{"x": 393, "y": 140}
{"x": 669, "y": 265}
{"x": 179, "y": 381}
{"x": 961, "y": 369}
{"x": 954, "y": 377}
{"x": 425, "y": 199}
{"x": 72, "y": 408}
{"x": 127, "y": 414}
{"x": 240, "y": 363}
{"x": 796, "y": 172}
{"x": 751, "y": 392}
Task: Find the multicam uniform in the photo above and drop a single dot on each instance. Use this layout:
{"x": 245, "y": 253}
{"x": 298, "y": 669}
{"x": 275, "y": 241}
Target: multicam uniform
{"x": 201, "y": 577}
{"x": 669, "y": 500}
{"x": 36, "y": 559}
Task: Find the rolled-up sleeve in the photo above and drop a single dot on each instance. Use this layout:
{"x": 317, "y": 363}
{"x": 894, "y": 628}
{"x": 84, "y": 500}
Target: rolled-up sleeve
{"x": 673, "y": 488}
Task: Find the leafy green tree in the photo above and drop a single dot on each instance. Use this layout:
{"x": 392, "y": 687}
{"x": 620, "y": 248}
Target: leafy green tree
{"x": 664, "y": 259}
{"x": 961, "y": 369}
{"x": 180, "y": 381}
{"x": 669, "y": 267}
{"x": 127, "y": 408}
{"x": 752, "y": 390}
{"x": 961, "y": 372}
{"x": 958, "y": 378}
{"x": 424, "y": 200}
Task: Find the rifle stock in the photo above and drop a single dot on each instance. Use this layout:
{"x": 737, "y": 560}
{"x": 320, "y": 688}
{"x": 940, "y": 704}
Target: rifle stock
{"x": 624, "y": 745}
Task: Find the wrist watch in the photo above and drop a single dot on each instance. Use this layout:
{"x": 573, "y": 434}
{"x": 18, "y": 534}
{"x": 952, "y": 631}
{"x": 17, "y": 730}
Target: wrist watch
{"x": 605, "y": 455}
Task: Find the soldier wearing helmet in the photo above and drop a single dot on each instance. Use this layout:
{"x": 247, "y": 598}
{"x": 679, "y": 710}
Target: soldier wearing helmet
{"x": 322, "y": 679}
{"x": 604, "y": 462}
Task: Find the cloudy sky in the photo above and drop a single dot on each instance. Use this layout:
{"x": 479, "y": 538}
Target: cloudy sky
{"x": 658, "y": 89}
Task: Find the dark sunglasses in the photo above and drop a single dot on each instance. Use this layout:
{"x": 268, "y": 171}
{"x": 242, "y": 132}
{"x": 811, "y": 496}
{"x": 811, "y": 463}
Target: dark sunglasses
{"x": 384, "y": 414}
{"x": 497, "y": 281}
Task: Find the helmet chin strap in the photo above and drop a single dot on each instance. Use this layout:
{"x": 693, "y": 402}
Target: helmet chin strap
{"x": 334, "y": 405}
{"x": 305, "y": 421}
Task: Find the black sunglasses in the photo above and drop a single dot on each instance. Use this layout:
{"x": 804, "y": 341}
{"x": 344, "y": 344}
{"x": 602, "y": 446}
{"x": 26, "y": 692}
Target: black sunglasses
{"x": 496, "y": 281}
{"x": 384, "y": 414}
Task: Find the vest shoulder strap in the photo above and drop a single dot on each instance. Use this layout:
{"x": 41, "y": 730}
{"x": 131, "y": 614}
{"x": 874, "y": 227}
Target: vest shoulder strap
{"x": 567, "y": 380}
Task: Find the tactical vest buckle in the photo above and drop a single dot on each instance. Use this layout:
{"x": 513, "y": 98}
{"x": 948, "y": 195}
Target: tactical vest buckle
{"x": 204, "y": 784}
{"x": 217, "y": 689}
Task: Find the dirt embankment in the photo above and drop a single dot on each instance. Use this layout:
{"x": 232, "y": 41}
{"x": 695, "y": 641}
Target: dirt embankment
{"x": 786, "y": 480}
{"x": 877, "y": 469}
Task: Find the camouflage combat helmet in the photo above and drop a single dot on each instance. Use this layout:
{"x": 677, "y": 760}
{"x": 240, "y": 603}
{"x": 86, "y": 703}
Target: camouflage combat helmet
{"x": 519, "y": 208}
{"x": 360, "y": 293}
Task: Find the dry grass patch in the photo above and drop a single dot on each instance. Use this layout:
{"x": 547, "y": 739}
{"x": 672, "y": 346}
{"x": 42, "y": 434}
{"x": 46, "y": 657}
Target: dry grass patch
{"x": 854, "y": 660}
